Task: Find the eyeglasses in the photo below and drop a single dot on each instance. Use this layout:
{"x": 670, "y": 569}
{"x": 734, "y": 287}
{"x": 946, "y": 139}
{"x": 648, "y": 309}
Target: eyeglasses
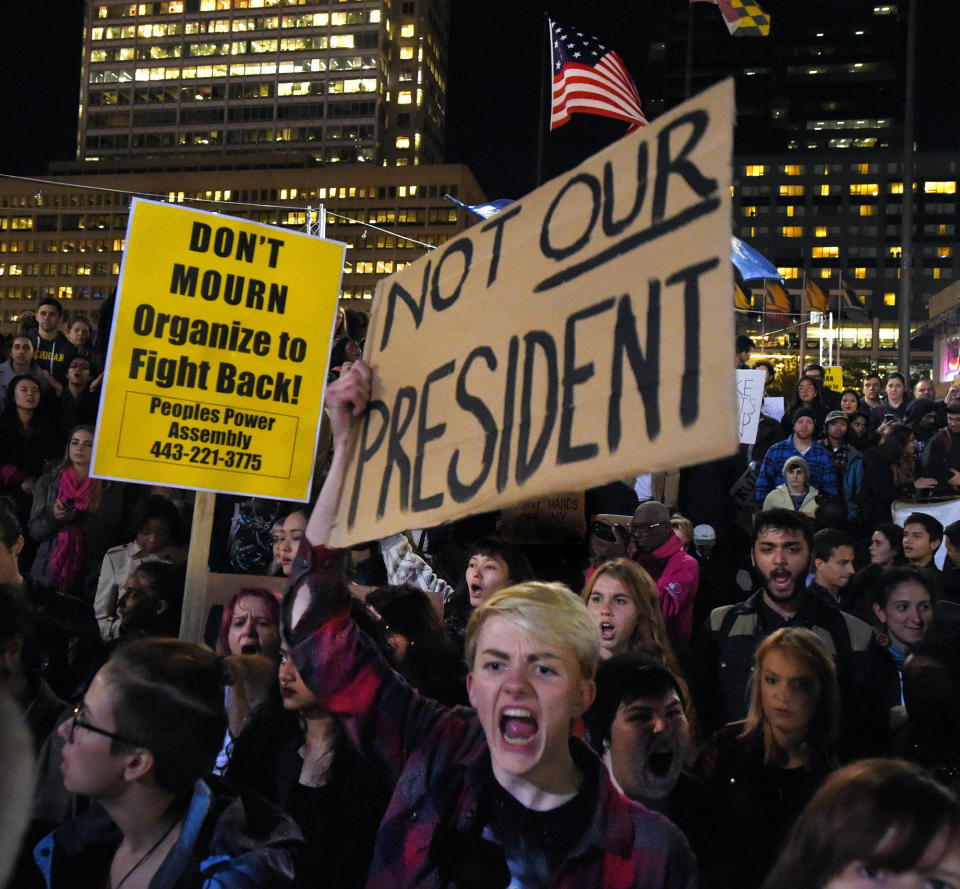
{"x": 634, "y": 529}
{"x": 77, "y": 722}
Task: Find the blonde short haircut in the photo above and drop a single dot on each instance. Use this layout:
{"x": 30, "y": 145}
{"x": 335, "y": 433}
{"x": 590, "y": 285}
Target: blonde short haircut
{"x": 549, "y": 611}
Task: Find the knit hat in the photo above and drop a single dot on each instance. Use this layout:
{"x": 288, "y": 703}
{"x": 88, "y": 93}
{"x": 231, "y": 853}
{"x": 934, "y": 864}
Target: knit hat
{"x": 802, "y": 412}
{"x": 794, "y": 462}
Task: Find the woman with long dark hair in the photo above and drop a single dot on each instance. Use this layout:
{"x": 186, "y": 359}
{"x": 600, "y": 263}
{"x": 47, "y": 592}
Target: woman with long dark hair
{"x": 806, "y": 394}
{"x": 28, "y": 438}
{"x": 74, "y": 518}
{"x": 890, "y": 470}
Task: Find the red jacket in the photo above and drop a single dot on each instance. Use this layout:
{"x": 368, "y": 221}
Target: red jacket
{"x": 677, "y": 576}
{"x": 439, "y": 762}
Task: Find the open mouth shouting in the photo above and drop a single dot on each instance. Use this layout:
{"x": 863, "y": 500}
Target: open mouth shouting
{"x": 780, "y": 582}
{"x": 518, "y": 725}
{"x": 659, "y": 762}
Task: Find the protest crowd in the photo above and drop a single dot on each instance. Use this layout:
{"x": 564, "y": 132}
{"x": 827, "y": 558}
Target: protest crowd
{"x": 745, "y": 675}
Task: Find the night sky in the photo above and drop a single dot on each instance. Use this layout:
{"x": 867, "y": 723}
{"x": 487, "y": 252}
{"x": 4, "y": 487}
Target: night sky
{"x": 493, "y": 88}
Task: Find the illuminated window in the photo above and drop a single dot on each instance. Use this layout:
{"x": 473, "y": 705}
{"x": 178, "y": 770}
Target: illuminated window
{"x": 406, "y": 52}
{"x": 896, "y": 188}
{"x": 821, "y": 231}
{"x": 403, "y": 141}
{"x": 791, "y": 231}
{"x": 936, "y": 274}
{"x": 895, "y": 252}
{"x": 791, "y": 210}
{"x": 755, "y": 170}
{"x": 407, "y": 31}
{"x": 865, "y": 188}
{"x": 789, "y": 271}
{"x": 863, "y": 168}
{"x": 940, "y": 187}
{"x": 826, "y": 273}
{"x": 825, "y": 252}
{"x": 867, "y": 209}
{"x": 792, "y": 191}
{"x": 793, "y": 169}
{"x": 860, "y": 272}
{"x": 889, "y": 299}
{"x": 944, "y": 252}
{"x": 750, "y": 212}
{"x": 824, "y": 191}
{"x": 405, "y": 98}
{"x": 885, "y": 9}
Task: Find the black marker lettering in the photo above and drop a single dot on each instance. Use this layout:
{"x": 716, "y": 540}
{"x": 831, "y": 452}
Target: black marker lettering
{"x": 572, "y": 377}
{"x": 460, "y": 491}
{"x": 646, "y": 370}
{"x": 426, "y": 434}
{"x": 526, "y": 466}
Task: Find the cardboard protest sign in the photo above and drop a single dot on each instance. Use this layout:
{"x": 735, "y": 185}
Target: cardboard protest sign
{"x": 218, "y": 354}
{"x": 557, "y": 518}
{"x": 578, "y": 336}
{"x": 750, "y": 402}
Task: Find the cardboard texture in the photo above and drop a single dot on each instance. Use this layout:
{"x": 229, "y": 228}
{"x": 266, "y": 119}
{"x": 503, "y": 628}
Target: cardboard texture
{"x": 558, "y": 518}
{"x": 581, "y": 335}
{"x": 221, "y": 332}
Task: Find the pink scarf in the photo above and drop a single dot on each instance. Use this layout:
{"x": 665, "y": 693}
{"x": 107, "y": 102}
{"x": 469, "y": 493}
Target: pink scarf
{"x": 65, "y": 558}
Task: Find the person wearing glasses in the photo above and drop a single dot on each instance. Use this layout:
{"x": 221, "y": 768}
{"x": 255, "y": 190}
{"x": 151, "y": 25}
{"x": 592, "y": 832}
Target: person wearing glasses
{"x": 155, "y": 817}
{"x": 654, "y": 546}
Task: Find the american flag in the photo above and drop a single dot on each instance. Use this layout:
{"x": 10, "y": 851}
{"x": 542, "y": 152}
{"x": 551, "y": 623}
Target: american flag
{"x": 589, "y": 78}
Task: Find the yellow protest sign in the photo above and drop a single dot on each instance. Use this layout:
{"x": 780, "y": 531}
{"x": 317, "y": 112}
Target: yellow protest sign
{"x": 833, "y": 378}
{"x": 581, "y": 335}
{"x": 218, "y": 352}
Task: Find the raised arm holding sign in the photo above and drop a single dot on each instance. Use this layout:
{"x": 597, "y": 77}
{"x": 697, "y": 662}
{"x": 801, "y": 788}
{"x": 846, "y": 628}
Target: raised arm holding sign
{"x": 561, "y": 344}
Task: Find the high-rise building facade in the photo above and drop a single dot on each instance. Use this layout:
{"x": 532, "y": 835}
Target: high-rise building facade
{"x": 830, "y": 76}
{"x": 359, "y": 81}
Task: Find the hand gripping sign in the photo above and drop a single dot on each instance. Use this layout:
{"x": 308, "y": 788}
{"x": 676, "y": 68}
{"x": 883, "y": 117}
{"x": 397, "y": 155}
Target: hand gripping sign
{"x": 581, "y": 335}
{"x": 218, "y": 354}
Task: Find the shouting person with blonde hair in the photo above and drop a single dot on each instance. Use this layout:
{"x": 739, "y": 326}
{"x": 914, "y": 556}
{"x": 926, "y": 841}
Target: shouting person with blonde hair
{"x": 501, "y": 795}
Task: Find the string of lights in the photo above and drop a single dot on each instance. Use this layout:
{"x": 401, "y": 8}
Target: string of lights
{"x": 35, "y": 180}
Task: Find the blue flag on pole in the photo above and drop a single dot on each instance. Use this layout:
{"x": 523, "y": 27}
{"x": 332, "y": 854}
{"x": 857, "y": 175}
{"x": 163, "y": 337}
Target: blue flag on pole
{"x": 484, "y": 211}
{"x": 751, "y": 263}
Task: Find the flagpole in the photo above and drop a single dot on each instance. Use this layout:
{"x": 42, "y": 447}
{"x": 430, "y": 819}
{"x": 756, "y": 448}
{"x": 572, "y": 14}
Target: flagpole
{"x": 546, "y": 61}
{"x": 839, "y": 315}
{"x": 804, "y": 307}
{"x": 763, "y": 319}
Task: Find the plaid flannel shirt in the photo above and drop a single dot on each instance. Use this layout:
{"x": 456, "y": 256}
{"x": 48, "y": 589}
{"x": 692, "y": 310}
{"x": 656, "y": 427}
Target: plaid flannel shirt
{"x": 822, "y": 474}
{"x": 439, "y": 762}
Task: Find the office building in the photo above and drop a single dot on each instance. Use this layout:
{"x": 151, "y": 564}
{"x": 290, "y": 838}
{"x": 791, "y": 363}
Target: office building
{"x": 837, "y": 215}
{"x": 334, "y": 81}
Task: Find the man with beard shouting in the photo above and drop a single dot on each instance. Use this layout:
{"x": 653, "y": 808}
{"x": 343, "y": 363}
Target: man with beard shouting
{"x": 725, "y": 646}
